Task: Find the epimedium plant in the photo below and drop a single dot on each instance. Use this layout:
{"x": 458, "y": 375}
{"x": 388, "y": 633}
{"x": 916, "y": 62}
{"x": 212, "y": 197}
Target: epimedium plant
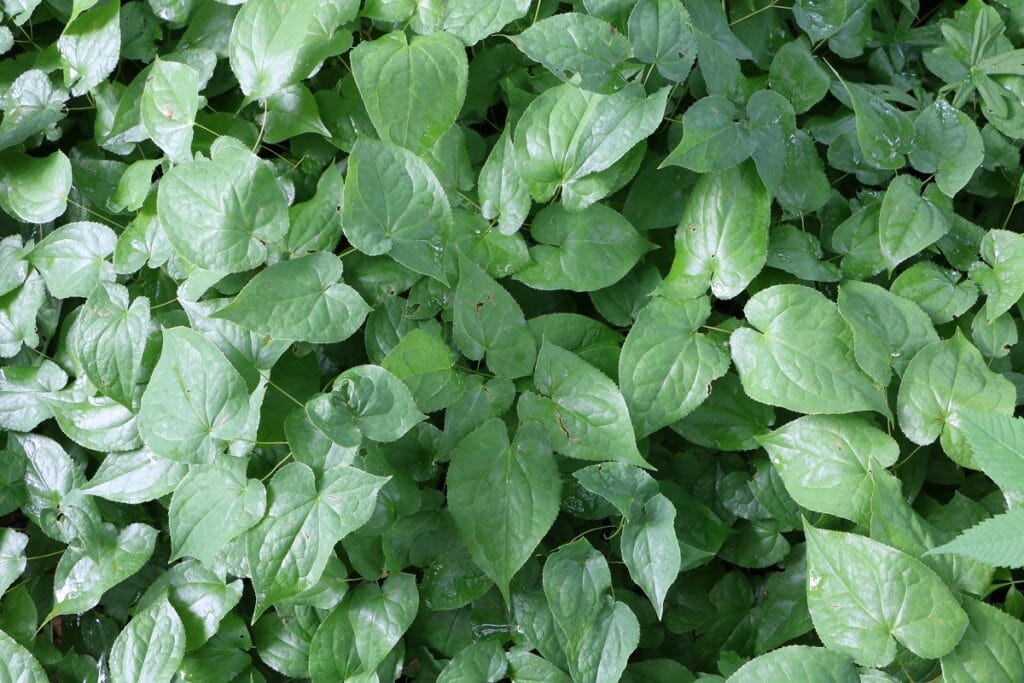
{"x": 484, "y": 340}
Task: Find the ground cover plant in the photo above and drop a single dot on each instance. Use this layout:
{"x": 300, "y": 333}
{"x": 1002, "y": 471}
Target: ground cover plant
{"x": 486, "y": 340}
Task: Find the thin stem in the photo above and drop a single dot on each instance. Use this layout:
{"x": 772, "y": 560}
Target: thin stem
{"x": 276, "y": 467}
{"x": 294, "y": 400}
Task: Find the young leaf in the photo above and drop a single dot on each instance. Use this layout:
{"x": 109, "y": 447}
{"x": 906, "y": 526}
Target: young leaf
{"x": 368, "y": 401}
{"x": 650, "y": 549}
{"x": 661, "y": 35}
{"x": 265, "y": 44}
{"x": 568, "y": 133}
{"x": 109, "y": 337}
{"x": 34, "y": 190}
{"x": 598, "y": 633}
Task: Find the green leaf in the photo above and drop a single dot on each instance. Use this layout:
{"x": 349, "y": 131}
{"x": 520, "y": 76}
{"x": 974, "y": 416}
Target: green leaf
{"x": 888, "y": 330}
{"x": 826, "y": 462}
{"x": 798, "y": 664}
{"x": 212, "y": 505}
{"x": 938, "y": 291}
{"x": 22, "y": 394}
{"x": 948, "y": 144}
{"x": 997, "y": 541}
{"x": 305, "y": 518}
{"x": 34, "y": 189}
{"x": 291, "y": 112}
{"x": 997, "y": 444}
{"x": 582, "y": 411}
{"x": 581, "y": 250}
{"x": 195, "y": 402}
{"x": 72, "y": 261}
{"x": 299, "y": 300}
{"x": 796, "y": 75}
{"x": 503, "y": 192}
{"x": 661, "y": 35}
{"x": 819, "y": 18}
{"x": 366, "y": 400}
{"x": 478, "y": 663}
{"x": 779, "y": 368}
{"x": 864, "y": 597}
{"x": 991, "y": 647}
{"x": 18, "y": 320}
{"x": 883, "y": 131}
{"x": 83, "y": 577}
{"x": 1001, "y": 277}
{"x": 487, "y": 320}
{"x": 109, "y": 337}
{"x": 667, "y": 366}
{"x": 380, "y": 615}
{"x": 133, "y": 187}
{"x": 573, "y": 42}
{"x": 170, "y": 102}
{"x": 503, "y": 496}
{"x": 31, "y": 105}
{"x": 942, "y": 379}
{"x": 413, "y": 90}
{"x": 598, "y": 634}
{"x": 200, "y": 597}
{"x": 715, "y": 137}
{"x": 316, "y": 224}
{"x": 473, "y": 20}
{"x": 909, "y": 221}
{"x": 219, "y": 213}
{"x": 567, "y": 134}
{"x": 135, "y": 477}
{"x": 650, "y": 549}
{"x": 265, "y": 44}
{"x": 625, "y": 486}
{"x": 395, "y": 205}
{"x": 90, "y": 46}
{"x": 722, "y": 239}
{"x": 17, "y": 663}
{"x": 426, "y": 365}
{"x": 12, "y": 557}
{"x": 151, "y": 647}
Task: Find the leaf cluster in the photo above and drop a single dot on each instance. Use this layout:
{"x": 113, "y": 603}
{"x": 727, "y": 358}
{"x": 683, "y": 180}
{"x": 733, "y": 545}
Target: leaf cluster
{"x": 486, "y": 340}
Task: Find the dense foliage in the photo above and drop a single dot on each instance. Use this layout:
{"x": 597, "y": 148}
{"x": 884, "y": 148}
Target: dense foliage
{"x": 482, "y": 340}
